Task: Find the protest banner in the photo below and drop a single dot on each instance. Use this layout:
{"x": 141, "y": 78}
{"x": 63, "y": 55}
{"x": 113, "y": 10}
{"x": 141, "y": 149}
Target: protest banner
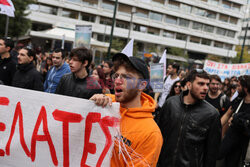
{"x": 226, "y": 70}
{"x": 156, "y": 76}
{"x": 46, "y": 130}
{"x": 83, "y": 35}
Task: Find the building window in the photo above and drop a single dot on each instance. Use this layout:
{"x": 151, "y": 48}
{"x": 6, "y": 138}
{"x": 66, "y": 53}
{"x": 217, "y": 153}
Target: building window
{"x": 90, "y": 2}
{"x": 221, "y": 31}
{"x": 218, "y": 44}
{"x": 182, "y": 37}
{"x": 186, "y": 8}
{"x": 183, "y": 23}
{"x": 195, "y": 39}
{"x": 173, "y": 4}
{"x": 48, "y": 9}
{"x": 155, "y": 16}
{"x": 106, "y": 21}
{"x": 33, "y": 7}
{"x": 208, "y": 28}
{"x": 210, "y": 14}
{"x": 124, "y": 9}
{"x": 108, "y": 5}
{"x": 141, "y": 13}
{"x": 153, "y": 31}
{"x": 103, "y": 38}
{"x": 228, "y": 46}
{"x": 236, "y": 7}
{"x": 168, "y": 34}
{"x": 206, "y": 42}
{"x": 198, "y": 11}
{"x": 75, "y": 1}
{"x": 140, "y": 28}
{"x": 122, "y": 24}
{"x": 197, "y": 26}
{"x": 233, "y": 20}
{"x": 171, "y": 19}
{"x": 226, "y": 4}
{"x": 70, "y": 14}
{"x": 230, "y": 33}
{"x": 88, "y": 17}
{"x": 159, "y": 1}
{"x": 213, "y": 2}
{"x": 224, "y": 18}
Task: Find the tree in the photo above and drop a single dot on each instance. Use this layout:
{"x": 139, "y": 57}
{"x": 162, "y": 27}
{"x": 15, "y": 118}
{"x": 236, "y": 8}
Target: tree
{"x": 18, "y": 25}
{"x": 246, "y": 56}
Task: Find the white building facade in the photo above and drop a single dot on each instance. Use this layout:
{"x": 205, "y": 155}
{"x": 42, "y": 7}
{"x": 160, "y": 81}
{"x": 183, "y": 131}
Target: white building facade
{"x": 201, "y": 27}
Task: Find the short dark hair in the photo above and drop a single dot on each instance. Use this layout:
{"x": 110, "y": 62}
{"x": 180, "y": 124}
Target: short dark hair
{"x": 82, "y": 54}
{"x": 197, "y": 73}
{"x": 175, "y": 66}
{"x": 8, "y": 42}
{"x": 215, "y": 77}
{"x": 58, "y": 50}
{"x": 245, "y": 82}
{"x": 128, "y": 66}
{"x": 30, "y": 52}
{"x": 110, "y": 63}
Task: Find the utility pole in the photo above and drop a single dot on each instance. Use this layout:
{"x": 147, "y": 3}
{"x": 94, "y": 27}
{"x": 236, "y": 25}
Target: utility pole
{"x": 7, "y": 26}
{"x": 133, "y": 11}
{"x": 112, "y": 30}
{"x": 243, "y": 45}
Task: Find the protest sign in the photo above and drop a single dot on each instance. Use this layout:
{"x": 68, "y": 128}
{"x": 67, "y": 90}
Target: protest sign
{"x": 83, "y": 35}
{"x": 226, "y": 70}
{"x": 156, "y": 76}
{"x": 41, "y": 129}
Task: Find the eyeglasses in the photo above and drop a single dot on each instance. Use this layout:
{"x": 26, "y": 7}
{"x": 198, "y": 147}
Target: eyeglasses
{"x": 122, "y": 76}
{"x": 177, "y": 86}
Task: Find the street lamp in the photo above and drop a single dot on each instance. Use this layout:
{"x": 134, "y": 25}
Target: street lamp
{"x": 133, "y": 11}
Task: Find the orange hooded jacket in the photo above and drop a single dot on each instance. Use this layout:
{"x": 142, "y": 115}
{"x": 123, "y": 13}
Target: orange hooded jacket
{"x": 141, "y": 140}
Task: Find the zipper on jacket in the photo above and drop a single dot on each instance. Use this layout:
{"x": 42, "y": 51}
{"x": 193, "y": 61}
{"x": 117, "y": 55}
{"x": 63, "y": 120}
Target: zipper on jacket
{"x": 180, "y": 134}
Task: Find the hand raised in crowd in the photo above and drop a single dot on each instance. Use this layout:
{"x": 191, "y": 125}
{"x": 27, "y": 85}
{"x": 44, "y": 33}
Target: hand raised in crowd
{"x": 101, "y": 100}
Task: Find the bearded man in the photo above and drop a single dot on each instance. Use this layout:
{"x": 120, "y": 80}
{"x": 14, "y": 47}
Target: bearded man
{"x": 140, "y": 141}
{"x": 190, "y": 126}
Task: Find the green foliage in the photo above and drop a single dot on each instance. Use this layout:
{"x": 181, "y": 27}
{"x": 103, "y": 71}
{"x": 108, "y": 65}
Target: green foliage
{"x": 118, "y": 44}
{"x": 176, "y": 51}
{"x": 246, "y": 56}
{"x": 19, "y": 24}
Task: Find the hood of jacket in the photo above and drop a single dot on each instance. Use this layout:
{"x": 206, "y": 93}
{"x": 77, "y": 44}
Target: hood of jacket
{"x": 145, "y": 111}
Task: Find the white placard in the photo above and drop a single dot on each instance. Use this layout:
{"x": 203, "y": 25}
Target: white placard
{"x": 45, "y": 130}
{"x": 226, "y": 70}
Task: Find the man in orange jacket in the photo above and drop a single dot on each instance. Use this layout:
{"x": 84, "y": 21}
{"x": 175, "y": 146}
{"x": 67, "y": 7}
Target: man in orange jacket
{"x": 140, "y": 140}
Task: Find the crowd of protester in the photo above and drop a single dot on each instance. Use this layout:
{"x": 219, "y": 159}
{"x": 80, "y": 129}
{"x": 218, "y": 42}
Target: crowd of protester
{"x": 203, "y": 120}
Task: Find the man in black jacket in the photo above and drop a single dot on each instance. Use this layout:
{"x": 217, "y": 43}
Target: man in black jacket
{"x": 78, "y": 83}
{"x": 7, "y": 64}
{"x": 26, "y": 75}
{"x": 190, "y": 126}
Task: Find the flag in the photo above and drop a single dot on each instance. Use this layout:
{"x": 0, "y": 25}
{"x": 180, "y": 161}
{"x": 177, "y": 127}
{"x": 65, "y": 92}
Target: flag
{"x": 164, "y": 61}
{"x": 7, "y": 8}
{"x": 128, "y": 50}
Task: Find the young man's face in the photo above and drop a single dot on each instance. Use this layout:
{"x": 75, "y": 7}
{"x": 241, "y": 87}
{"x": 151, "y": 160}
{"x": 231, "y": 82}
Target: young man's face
{"x": 23, "y": 57}
{"x": 214, "y": 86}
{"x": 125, "y": 85}
{"x": 199, "y": 88}
{"x": 57, "y": 59}
{"x": 3, "y": 48}
{"x": 171, "y": 70}
{"x": 75, "y": 64}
